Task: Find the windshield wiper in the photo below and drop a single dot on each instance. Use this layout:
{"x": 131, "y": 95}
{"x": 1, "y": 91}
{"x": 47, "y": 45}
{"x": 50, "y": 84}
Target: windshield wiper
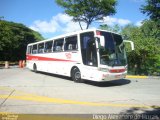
{"x": 113, "y": 64}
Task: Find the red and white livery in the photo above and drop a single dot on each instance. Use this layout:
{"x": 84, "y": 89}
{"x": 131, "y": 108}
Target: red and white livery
{"x": 92, "y": 54}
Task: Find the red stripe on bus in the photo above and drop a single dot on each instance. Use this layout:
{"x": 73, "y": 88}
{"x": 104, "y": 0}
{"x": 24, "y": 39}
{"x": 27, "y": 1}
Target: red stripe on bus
{"x": 117, "y": 70}
{"x": 39, "y": 58}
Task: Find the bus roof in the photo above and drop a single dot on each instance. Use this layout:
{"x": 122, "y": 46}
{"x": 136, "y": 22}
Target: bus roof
{"x": 70, "y": 34}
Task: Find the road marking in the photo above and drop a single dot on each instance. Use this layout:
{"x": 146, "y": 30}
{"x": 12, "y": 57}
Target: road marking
{"x": 7, "y": 98}
{"x": 134, "y": 76}
{"x": 37, "y": 98}
{"x": 63, "y": 101}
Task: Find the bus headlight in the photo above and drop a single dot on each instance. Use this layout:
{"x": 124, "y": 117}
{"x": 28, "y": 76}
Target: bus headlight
{"x": 103, "y": 69}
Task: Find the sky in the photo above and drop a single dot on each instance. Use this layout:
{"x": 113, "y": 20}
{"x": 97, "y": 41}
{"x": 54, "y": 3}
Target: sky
{"x": 49, "y": 19}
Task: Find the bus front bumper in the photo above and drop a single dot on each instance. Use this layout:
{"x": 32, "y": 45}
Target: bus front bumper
{"x": 112, "y": 76}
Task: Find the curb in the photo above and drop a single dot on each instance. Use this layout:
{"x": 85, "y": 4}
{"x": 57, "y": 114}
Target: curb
{"x": 135, "y": 76}
{"x": 143, "y": 77}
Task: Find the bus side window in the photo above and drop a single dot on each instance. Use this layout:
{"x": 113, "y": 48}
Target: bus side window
{"x": 48, "y": 46}
{"x": 40, "y": 47}
{"x": 71, "y": 43}
{"x": 34, "y": 49}
{"x": 58, "y": 45}
{"x": 29, "y": 50}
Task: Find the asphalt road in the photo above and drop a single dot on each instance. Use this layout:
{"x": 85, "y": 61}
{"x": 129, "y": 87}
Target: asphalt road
{"x": 23, "y": 91}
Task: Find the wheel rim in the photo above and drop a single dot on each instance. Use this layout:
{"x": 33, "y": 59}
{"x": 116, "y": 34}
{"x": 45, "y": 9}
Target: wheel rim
{"x": 77, "y": 75}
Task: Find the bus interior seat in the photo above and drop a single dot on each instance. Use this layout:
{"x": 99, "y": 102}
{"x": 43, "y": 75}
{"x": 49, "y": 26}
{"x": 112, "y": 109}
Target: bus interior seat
{"x": 70, "y": 47}
{"x": 58, "y": 48}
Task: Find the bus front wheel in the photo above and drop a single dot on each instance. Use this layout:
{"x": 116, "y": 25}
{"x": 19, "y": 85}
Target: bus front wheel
{"x": 76, "y": 75}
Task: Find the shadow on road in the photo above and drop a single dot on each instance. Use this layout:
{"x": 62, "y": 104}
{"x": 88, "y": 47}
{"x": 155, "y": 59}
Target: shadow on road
{"x": 108, "y": 83}
{"x": 144, "y": 114}
{"x": 93, "y": 83}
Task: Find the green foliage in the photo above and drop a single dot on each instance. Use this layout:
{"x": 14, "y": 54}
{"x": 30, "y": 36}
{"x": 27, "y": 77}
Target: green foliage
{"x": 147, "y": 47}
{"x": 14, "y": 38}
{"x": 116, "y": 28}
{"x": 152, "y": 9}
{"x": 151, "y": 33}
{"x": 88, "y": 10}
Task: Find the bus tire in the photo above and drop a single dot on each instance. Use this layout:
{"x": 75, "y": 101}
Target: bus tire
{"x": 35, "y": 68}
{"x": 76, "y": 75}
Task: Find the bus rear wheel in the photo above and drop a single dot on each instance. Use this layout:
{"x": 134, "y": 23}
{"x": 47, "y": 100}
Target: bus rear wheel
{"x": 76, "y": 75}
{"x": 34, "y": 68}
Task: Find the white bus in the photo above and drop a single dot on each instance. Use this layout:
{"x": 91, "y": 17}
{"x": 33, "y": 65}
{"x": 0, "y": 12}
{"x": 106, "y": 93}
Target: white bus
{"x": 91, "y": 54}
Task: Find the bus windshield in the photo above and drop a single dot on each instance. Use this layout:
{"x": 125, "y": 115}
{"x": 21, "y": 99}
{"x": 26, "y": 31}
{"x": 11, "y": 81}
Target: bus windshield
{"x": 113, "y": 53}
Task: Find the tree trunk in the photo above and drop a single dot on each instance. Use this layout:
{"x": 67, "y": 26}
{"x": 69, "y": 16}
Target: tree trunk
{"x": 87, "y": 25}
{"x": 80, "y": 25}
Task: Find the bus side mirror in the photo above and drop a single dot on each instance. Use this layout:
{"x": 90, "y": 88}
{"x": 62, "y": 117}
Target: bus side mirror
{"x": 100, "y": 40}
{"x": 131, "y": 43}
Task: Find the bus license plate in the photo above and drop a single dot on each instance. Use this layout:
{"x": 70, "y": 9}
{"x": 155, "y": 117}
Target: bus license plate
{"x": 118, "y": 76}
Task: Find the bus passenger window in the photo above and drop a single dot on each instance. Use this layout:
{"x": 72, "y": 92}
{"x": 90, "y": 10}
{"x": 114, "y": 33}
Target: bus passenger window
{"x": 29, "y": 50}
{"x": 48, "y": 47}
{"x": 41, "y": 48}
{"x": 71, "y": 43}
{"x": 58, "y": 45}
{"x": 34, "y": 50}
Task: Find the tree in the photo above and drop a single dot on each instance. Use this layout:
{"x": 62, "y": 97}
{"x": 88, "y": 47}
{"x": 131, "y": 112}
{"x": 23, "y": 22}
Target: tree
{"x": 147, "y": 48}
{"x": 115, "y": 28}
{"x": 88, "y": 10}
{"x": 151, "y": 30}
{"x": 14, "y": 38}
{"x": 152, "y": 9}
{"x": 1, "y": 17}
